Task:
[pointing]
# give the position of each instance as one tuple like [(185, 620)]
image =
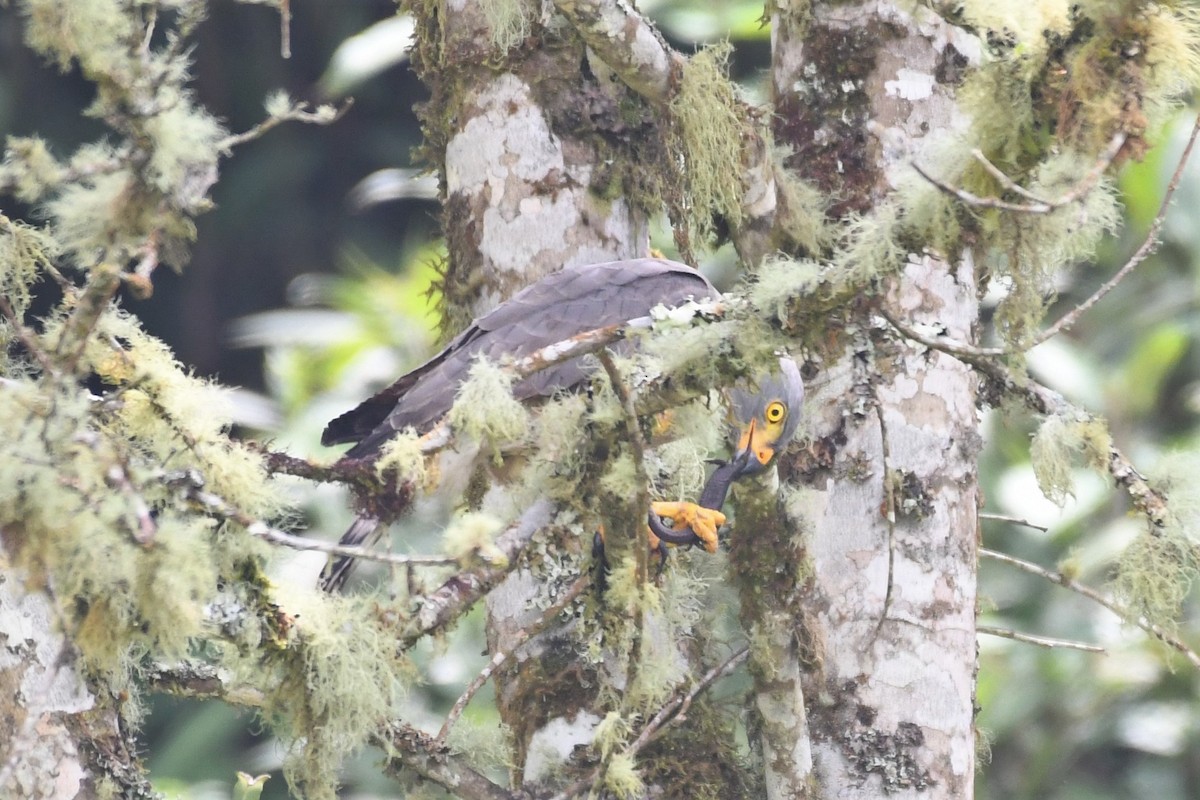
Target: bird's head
[(766, 417)]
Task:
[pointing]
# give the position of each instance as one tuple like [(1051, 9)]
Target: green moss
[(709, 129), (471, 536), (800, 216), (185, 140), (96, 32), (24, 252), (1172, 41), (622, 778), (30, 168), (509, 21), (621, 478), (485, 409), (1155, 573), (611, 734), (870, 245), (335, 689), (1058, 443), (559, 457), (779, 282), (678, 467), (1034, 248), (401, 456)]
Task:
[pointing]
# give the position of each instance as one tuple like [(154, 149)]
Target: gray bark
[(889, 607)]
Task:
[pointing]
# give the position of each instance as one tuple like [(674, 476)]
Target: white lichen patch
[(910, 84), (554, 742), (472, 536)]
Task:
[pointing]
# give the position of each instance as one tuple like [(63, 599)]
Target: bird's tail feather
[(363, 532)]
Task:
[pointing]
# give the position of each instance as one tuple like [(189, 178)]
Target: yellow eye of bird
[(775, 412)]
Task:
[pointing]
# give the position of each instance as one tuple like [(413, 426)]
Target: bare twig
[(117, 476), (1125, 614), (285, 28), (1013, 520), (299, 112), (889, 490), (673, 712), (1148, 246), (1040, 641), (641, 534), (500, 658), (676, 712), (260, 529), (1036, 204)]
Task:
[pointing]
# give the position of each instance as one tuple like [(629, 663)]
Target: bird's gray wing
[(559, 306)]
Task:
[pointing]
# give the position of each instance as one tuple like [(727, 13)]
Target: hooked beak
[(753, 452)]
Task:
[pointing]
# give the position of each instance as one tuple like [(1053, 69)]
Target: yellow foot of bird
[(702, 521)]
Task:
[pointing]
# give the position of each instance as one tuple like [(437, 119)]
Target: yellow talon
[(704, 522)]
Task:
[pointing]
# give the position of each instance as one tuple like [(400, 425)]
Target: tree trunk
[(523, 176), (888, 524), (60, 742)]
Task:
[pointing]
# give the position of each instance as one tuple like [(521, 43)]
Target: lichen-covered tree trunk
[(886, 617), (53, 722), (529, 189)]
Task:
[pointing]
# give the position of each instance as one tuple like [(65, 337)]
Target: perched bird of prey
[(559, 306)]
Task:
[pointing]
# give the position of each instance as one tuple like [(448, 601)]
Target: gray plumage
[(559, 306), (786, 386)]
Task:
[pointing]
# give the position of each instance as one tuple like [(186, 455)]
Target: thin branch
[(673, 712), (404, 744), (1085, 184), (1040, 641), (637, 443), (499, 659), (91, 303), (1014, 520), (285, 28), (889, 489), (26, 338), (944, 344), (628, 43), (1148, 246), (1036, 204), (117, 476), (418, 751), (641, 502), (1046, 401), (459, 593), (298, 112), (1125, 614), (260, 529)]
